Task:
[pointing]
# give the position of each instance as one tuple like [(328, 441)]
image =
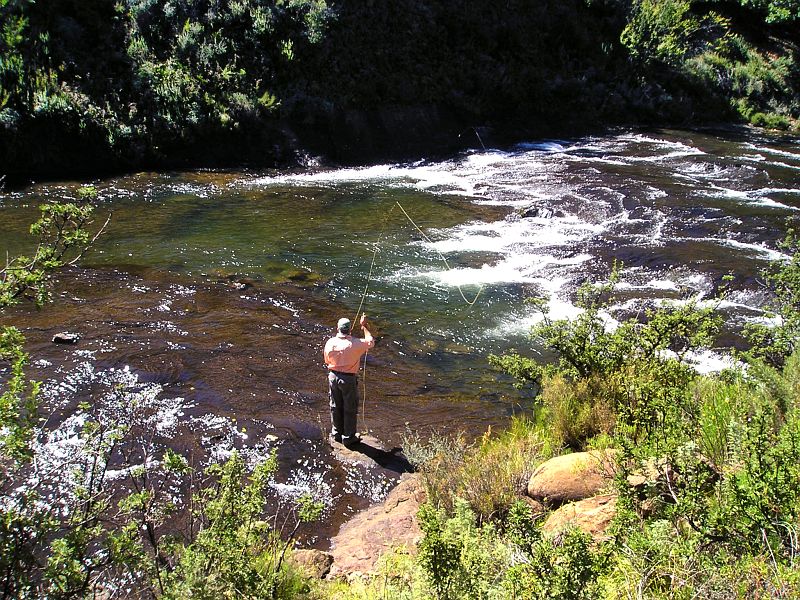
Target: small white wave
[(514, 269), (758, 197), (708, 361), (774, 151), (678, 149), (546, 146), (762, 160), (511, 235), (654, 284), (757, 248)]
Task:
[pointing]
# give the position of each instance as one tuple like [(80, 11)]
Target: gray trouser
[(343, 389)]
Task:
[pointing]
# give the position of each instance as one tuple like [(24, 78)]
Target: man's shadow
[(391, 460)]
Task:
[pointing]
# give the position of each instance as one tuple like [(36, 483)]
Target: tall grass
[(489, 474)]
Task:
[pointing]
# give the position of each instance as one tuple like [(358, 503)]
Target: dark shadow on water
[(392, 460)]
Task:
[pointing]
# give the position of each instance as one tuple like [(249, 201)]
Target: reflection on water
[(220, 288)]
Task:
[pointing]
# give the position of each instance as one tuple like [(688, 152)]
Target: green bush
[(577, 411), (775, 341), (633, 378), (236, 552), (462, 560), (563, 569), (459, 558)]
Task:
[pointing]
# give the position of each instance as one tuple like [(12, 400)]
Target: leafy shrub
[(235, 552), (459, 558), (633, 377), (668, 31), (775, 341), (770, 121), (566, 568)]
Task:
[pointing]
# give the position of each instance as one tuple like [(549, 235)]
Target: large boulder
[(379, 529), (592, 515), (572, 476)]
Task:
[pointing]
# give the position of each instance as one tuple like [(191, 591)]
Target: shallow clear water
[(221, 287)]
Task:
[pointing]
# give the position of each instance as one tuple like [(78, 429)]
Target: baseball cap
[(343, 325)]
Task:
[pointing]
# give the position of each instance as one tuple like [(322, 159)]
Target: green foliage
[(563, 569), (777, 11), (683, 46), (208, 65), (775, 341), (131, 79), (63, 237), (459, 559), (577, 410), (668, 31), (19, 401), (632, 377), (235, 552), (586, 346), (488, 475), (133, 82)]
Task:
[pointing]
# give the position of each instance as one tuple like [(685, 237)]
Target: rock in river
[(66, 338)]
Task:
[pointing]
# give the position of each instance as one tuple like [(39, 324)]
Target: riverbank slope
[(112, 87)]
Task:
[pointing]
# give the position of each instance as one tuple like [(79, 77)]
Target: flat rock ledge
[(372, 453), (370, 534), (356, 454), (573, 477), (592, 515)]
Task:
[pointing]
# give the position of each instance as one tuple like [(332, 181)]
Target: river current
[(205, 305)]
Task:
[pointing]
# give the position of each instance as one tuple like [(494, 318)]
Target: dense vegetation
[(110, 85)]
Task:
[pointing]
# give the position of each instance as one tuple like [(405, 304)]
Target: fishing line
[(358, 311), (469, 302), (472, 302)]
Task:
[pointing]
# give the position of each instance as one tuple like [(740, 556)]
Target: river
[(205, 305)]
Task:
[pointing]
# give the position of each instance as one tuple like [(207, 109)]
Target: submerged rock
[(541, 212), (66, 338), (379, 529), (301, 277), (572, 476)]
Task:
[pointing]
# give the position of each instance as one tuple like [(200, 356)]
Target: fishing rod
[(470, 303)]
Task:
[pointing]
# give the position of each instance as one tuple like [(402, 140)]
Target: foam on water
[(774, 151), (578, 195), (768, 253), (758, 197), (513, 235)]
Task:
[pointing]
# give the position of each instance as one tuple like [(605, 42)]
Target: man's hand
[(365, 326)]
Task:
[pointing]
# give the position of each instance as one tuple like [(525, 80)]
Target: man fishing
[(342, 355)]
